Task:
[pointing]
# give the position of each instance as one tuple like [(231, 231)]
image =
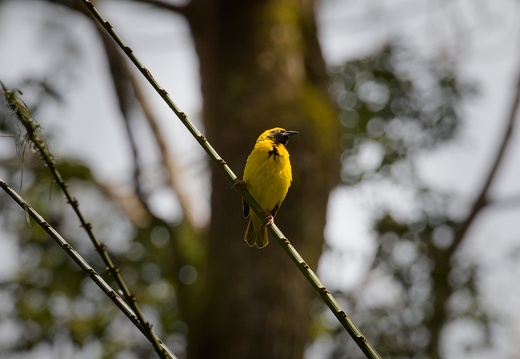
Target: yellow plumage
[(267, 176)]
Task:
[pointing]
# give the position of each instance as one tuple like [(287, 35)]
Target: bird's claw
[(269, 218)]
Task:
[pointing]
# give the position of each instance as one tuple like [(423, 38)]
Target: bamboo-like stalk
[(85, 266), (35, 137), (308, 273)]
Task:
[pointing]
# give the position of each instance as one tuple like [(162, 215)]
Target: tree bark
[(261, 67)]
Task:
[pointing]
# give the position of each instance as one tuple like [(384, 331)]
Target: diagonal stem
[(85, 266), (482, 199), (311, 277), (32, 128)]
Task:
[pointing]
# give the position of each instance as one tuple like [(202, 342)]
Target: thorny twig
[(34, 135)]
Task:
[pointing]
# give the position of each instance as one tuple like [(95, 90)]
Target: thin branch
[(34, 135), (119, 72), (168, 162), (482, 199), (128, 90), (127, 86), (125, 83), (308, 273), (85, 266)]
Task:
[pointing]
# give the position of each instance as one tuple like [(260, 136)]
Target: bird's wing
[(245, 208)]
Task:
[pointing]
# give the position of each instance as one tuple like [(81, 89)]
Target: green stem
[(83, 264), (313, 279), (34, 135)]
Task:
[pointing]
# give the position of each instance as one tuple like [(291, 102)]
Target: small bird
[(267, 176)]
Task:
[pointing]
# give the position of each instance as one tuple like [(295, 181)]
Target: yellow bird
[(267, 176)]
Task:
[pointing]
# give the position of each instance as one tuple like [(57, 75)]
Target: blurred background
[(405, 196)]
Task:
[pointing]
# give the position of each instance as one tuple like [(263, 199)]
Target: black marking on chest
[(273, 152)]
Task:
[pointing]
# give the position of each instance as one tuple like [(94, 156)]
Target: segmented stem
[(37, 140), (85, 266), (313, 279)]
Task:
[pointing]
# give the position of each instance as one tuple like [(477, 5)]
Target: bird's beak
[(290, 133)]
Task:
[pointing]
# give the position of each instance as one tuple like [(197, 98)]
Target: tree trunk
[(261, 67)]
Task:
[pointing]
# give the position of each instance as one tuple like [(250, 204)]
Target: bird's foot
[(269, 218)]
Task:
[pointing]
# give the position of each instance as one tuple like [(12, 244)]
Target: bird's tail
[(256, 234)]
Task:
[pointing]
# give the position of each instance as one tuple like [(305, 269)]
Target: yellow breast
[(268, 173)]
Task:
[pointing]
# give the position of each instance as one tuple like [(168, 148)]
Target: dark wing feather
[(245, 208)]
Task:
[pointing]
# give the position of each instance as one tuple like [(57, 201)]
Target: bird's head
[(278, 135)]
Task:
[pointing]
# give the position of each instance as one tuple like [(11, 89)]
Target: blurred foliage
[(51, 299), (395, 105)]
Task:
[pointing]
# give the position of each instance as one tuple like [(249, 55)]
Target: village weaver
[(267, 176)]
